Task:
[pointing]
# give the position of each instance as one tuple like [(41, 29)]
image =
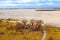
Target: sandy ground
[(49, 17)]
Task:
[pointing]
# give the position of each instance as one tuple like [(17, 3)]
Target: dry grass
[(23, 34), (7, 33), (53, 33)]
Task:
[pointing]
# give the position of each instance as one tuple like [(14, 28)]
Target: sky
[(29, 3)]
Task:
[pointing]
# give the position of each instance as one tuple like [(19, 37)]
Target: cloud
[(49, 3), (28, 3), (17, 3), (23, 1), (53, 0), (9, 4)]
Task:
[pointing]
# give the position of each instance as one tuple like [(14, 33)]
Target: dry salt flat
[(49, 17)]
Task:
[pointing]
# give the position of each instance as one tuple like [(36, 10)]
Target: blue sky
[(29, 3)]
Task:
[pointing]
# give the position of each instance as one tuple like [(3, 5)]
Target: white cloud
[(24, 4), (24, 1), (39, 3), (44, 3), (53, 0), (49, 3), (8, 4)]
